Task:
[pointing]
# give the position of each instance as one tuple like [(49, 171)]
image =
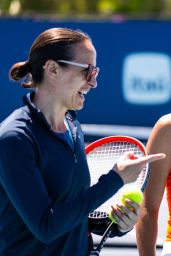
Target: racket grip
[(94, 253)]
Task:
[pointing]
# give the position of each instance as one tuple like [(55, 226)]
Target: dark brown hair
[(55, 44)]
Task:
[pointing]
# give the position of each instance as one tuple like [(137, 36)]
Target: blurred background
[(96, 9), (133, 42)]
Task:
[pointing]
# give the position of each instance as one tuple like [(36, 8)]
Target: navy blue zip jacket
[(45, 193)]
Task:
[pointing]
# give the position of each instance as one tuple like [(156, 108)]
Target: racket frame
[(98, 143)]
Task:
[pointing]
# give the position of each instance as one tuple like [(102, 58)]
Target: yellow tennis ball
[(132, 193)]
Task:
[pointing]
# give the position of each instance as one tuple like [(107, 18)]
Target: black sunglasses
[(92, 71)]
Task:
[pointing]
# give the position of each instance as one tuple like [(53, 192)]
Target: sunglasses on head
[(92, 71)]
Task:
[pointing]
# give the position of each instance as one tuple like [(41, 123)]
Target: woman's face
[(74, 85)]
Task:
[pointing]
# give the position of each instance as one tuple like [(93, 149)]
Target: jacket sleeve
[(26, 189)]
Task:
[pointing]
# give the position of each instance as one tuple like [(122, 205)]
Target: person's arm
[(26, 189), (147, 227)]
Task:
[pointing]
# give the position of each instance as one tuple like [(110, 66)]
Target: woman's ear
[(51, 68)]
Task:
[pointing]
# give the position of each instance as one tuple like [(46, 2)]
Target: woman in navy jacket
[(45, 193)]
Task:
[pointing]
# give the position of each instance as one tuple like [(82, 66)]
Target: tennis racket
[(101, 156)]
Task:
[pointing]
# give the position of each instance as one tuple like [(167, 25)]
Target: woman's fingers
[(129, 165), (148, 158), (126, 217)]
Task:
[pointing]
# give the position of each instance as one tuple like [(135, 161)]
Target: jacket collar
[(28, 100)]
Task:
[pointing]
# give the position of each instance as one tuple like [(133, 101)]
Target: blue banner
[(134, 84)]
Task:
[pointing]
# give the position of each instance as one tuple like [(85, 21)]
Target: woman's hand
[(129, 165), (126, 216)]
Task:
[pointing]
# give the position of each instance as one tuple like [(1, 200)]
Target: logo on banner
[(147, 78)]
